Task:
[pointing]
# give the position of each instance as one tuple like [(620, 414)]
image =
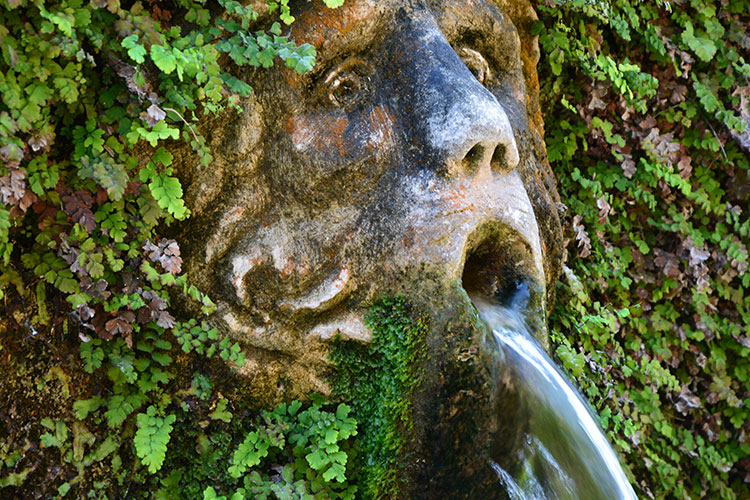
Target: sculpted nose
[(473, 132), (466, 128)]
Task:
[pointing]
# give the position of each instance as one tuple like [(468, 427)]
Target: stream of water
[(563, 454)]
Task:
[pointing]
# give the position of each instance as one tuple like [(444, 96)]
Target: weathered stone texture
[(414, 146)]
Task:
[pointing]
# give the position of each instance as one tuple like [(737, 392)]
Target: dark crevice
[(473, 158), (494, 270), (498, 157)]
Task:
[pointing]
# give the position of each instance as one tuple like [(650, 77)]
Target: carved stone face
[(408, 162)]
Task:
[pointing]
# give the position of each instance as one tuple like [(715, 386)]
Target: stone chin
[(409, 162)]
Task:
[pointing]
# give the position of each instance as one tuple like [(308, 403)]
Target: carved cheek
[(379, 124), (320, 137), (337, 137), (354, 148)]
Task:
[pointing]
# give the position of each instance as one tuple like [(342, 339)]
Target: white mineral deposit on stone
[(241, 265), (444, 214), (349, 326), (280, 239), (319, 297), (249, 331), (477, 110)]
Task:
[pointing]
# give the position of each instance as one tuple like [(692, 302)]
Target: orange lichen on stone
[(232, 216), (324, 28), (288, 268), (319, 133), (380, 127), (316, 29)]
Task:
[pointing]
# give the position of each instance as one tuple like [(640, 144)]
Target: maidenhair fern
[(646, 123), (152, 437)]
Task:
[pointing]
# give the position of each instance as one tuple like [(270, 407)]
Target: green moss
[(378, 379)]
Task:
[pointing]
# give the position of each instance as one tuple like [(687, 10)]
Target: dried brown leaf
[(685, 167), (117, 326), (151, 251), (158, 304), (165, 320), (154, 114), (97, 289), (678, 94), (127, 72), (145, 315), (597, 99), (12, 186), (42, 139), (648, 123), (78, 206), (743, 138), (628, 166), (171, 260), (582, 237), (167, 253), (668, 262), (686, 400), (11, 155), (604, 209)]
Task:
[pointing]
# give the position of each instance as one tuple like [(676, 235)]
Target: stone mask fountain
[(409, 162)]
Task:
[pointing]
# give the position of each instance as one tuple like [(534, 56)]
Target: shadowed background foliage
[(646, 108)]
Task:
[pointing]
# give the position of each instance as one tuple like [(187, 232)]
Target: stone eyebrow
[(496, 37), (336, 38)]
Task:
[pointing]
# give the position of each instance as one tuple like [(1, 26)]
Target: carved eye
[(347, 83), (476, 63)]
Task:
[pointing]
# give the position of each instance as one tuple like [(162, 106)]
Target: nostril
[(473, 158), (499, 160)]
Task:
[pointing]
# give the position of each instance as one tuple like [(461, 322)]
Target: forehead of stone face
[(361, 24)]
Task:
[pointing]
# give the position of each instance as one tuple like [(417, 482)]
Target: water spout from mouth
[(563, 454)]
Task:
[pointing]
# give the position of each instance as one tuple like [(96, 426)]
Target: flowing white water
[(564, 454)]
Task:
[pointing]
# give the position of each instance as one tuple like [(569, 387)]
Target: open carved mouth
[(499, 266)]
